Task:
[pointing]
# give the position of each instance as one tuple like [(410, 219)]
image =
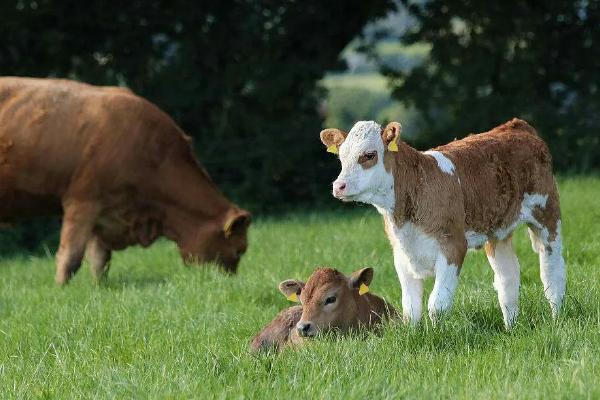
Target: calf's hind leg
[(78, 221), (98, 255), (548, 244), (507, 279)]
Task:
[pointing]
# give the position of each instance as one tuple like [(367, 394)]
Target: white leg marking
[(446, 280), (507, 278), (412, 292), (552, 269)]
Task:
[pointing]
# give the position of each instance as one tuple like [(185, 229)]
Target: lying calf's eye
[(370, 155), (330, 300)]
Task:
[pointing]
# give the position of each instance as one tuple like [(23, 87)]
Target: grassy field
[(160, 330)]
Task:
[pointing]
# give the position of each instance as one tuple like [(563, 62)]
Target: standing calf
[(465, 194), (330, 300)]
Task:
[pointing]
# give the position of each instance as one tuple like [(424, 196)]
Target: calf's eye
[(330, 300), (367, 156)]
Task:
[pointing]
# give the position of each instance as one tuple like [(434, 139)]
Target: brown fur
[(352, 312), (279, 332), (495, 170), (118, 168)]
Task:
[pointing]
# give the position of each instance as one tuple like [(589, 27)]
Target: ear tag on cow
[(332, 149), (363, 289), (393, 146), (293, 297)]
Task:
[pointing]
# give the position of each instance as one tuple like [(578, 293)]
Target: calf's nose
[(338, 188), (304, 328)]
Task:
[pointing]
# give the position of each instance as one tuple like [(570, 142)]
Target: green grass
[(158, 329)]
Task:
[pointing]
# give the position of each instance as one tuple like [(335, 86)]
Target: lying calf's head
[(329, 300), (363, 177)]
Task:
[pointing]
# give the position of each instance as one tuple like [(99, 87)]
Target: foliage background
[(254, 81)]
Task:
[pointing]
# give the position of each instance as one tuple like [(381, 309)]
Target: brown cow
[(119, 170), (466, 194), (330, 300)]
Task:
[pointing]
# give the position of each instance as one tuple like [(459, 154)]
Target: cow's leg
[(98, 255), (442, 295), (412, 292), (505, 264), (548, 244), (76, 231)]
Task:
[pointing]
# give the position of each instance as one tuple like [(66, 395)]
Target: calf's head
[(363, 177), (223, 241), (330, 299)]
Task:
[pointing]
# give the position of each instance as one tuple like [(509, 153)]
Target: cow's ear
[(361, 280), (291, 289), (237, 223), (391, 135), (332, 139)]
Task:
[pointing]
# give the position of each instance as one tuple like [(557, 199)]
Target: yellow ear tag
[(393, 146), (293, 297), (363, 289), (332, 149)]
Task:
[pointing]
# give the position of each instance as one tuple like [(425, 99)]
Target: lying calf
[(330, 300)]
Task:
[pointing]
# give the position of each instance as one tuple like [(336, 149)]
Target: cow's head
[(329, 299), (363, 177), (223, 241)]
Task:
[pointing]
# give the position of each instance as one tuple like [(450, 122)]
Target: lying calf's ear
[(390, 135), (333, 138), (361, 280), (291, 289)]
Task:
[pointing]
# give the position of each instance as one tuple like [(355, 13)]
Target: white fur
[(446, 280), (373, 185), (552, 267), (475, 240), (418, 256), (507, 279), (529, 203), (443, 162)]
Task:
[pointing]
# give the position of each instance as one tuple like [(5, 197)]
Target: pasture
[(157, 329)]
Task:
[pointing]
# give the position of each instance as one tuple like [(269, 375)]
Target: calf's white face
[(363, 177)]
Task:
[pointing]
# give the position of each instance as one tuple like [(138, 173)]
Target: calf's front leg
[(442, 295), (412, 292)]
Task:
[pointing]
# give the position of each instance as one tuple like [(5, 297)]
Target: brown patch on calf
[(369, 160), (493, 171)]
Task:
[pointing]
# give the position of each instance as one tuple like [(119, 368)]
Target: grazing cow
[(119, 170), (330, 300), (466, 194)]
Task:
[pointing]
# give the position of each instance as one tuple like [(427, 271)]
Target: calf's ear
[(361, 280), (390, 135), (333, 138), (291, 289)]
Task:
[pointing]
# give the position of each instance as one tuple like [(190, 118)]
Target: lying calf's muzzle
[(305, 328)]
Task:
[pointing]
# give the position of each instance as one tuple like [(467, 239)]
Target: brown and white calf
[(330, 300), (466, 194)]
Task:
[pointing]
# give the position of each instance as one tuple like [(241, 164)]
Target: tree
[(491, 61), (240, 76)]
